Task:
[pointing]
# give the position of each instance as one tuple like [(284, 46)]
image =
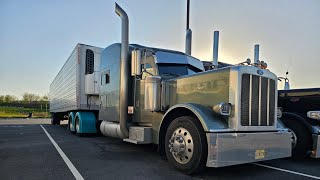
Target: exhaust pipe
[(120, 130), (256, 54), (215, 48), (188, 32), (188, 41)]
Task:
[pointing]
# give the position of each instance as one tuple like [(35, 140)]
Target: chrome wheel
[(70, 125), (294, 138), (181, 145), (77, 125)]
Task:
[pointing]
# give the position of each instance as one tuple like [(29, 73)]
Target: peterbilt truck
[(221, 117), (301, 115)]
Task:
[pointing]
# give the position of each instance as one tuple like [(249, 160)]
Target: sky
[(37, 36)]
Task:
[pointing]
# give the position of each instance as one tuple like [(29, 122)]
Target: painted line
[(287, 171), (73, 169)]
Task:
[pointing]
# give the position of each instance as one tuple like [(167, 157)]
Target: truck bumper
[(225, 149), (316, 146)]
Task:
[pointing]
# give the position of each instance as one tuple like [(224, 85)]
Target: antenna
[(188, 13)]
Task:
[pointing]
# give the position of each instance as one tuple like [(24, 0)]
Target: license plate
[(260, 154)]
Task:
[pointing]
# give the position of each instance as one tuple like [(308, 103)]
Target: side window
[(89, 61), (105, 77)]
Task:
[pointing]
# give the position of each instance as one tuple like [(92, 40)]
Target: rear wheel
[(77, 126), (301, 137), (71, 122), (186, 145)]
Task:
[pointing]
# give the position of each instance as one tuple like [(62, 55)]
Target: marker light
[(222, 109), (314, 114)]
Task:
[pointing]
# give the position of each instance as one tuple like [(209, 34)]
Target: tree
[(9, 99), (1, 98), (44, 98), (29, 97)]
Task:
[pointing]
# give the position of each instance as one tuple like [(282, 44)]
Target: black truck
[(301, 115)]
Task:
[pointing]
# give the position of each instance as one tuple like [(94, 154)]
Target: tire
[(55, 120), (186, 145), (302, 135), (70, 124), (77, 126)]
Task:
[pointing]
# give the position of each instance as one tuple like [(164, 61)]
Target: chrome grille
[(257, 101)]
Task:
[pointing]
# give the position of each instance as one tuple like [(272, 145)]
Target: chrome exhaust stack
[(256, 54), (188, 32), (120, 130), (215, 49)]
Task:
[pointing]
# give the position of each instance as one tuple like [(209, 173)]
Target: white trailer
[(77, 85)]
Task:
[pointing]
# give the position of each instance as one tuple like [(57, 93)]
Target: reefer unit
[(77, 85)]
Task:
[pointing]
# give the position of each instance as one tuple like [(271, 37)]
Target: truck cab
[(301, 114), (222, 117)]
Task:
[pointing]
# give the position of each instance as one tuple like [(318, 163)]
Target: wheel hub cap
[(294, 138), (181, 145)]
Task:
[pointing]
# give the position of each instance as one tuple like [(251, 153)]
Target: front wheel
[(186, 145), (301, 137)]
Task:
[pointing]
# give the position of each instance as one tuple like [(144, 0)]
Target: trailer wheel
[(186, 145), (301, 138), (71, 123), (77, 126)]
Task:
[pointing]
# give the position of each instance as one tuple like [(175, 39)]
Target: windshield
[(177, 69)]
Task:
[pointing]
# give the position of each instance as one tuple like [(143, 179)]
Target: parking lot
[(34, 149)]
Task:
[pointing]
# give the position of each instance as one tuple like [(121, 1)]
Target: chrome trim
[(259, 115), (268, 103), (188, 42), (316, 146), (250, 100), (234, 120), (225, 149), (124, 72)]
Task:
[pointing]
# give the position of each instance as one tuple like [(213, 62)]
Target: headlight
[(314, 114), (222, 109)]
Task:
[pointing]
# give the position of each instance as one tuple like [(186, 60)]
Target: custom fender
[(209, 120), (300, 119)]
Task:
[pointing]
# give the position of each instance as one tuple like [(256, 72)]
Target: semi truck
[(145, 95), (301, 115)]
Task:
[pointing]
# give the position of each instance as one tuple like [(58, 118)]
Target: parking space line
[(73, 169), (287, 171)]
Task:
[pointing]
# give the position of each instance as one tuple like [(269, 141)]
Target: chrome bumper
[(225, 149), (316, 146)]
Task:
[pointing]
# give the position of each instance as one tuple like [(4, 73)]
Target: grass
[(12, 112)]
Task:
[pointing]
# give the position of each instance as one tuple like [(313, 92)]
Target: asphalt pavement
[(26, 152)]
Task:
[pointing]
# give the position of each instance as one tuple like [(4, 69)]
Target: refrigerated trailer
[(77, 85), (221, 117)]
